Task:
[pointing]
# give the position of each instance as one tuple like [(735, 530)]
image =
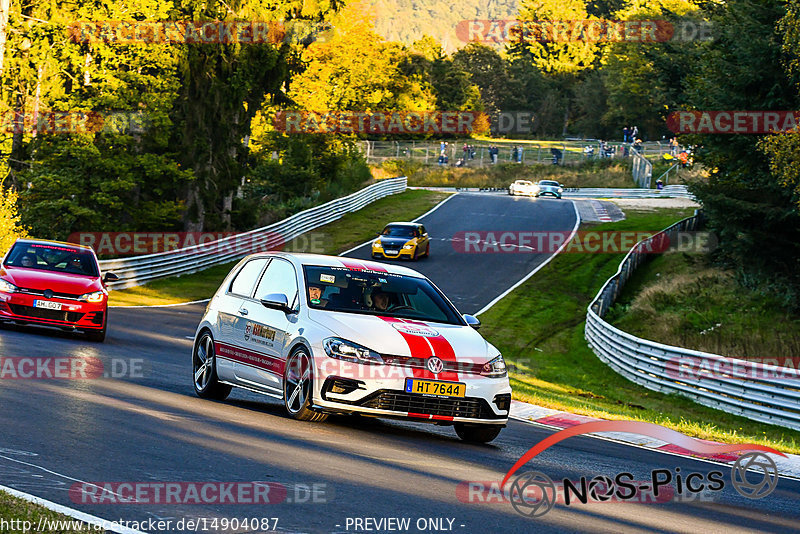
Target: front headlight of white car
[(495, 368), (408, 246), (349, 351), (7, 287), (96, 296), (560, 189)]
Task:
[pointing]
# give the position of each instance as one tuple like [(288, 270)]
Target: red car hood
[(59, 282)]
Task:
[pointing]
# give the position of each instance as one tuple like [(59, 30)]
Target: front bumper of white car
[(380, 390)]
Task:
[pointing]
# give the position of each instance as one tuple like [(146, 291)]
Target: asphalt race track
[(471, 280), (149, 427)]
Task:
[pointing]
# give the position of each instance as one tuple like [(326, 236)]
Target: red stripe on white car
[(427, 346), (248, 357), (431, 416), (418, 346)]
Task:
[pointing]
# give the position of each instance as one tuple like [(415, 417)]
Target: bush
[(10, 226)]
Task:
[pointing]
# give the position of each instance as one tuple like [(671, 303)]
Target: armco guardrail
[(136, 271), (642, 169), (750, 389), (586, 192)]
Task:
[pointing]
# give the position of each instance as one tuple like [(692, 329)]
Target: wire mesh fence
[(471, 153)]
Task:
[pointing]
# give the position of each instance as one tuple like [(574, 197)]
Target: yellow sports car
[(402, 240)]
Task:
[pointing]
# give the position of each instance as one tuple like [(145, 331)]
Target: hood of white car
[(406, 338)]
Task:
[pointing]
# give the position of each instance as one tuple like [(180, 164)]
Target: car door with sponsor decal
[(265, 332), (232, 312)]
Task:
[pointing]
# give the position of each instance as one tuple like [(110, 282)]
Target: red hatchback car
[(54, 284)]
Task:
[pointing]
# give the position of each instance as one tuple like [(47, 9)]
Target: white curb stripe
[(107, 525), (788, 467)]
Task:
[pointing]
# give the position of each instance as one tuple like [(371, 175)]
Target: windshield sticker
[(329, 278)]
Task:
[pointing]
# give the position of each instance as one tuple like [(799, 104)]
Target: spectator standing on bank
[(625, 132), (634, 133)]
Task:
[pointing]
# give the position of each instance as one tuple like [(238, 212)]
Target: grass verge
[(334, 238), (682, 299), (596, 173), (539, 328), (23, 516)]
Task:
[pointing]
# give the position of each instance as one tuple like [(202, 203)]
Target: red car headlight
[(7, 287), (96, 296)]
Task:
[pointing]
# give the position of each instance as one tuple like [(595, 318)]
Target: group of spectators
[(630, 134)]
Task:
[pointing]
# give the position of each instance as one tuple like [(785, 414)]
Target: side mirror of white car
[(276, 301), (472, 321)]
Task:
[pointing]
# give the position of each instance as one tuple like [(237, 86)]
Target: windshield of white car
[(53, 258), (357, 291), (398, 231)]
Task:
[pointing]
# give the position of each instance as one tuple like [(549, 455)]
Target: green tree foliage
[(644, 81), (556, 55), (356, 70), (747, 205), (10, 224), (783, 149)]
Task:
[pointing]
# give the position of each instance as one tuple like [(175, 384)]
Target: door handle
[(243, 311)]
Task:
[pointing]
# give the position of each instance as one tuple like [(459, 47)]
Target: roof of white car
[(350, 263), (400, 223)]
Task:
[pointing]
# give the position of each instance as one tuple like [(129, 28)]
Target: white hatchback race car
[(522, 187), (337, 335)]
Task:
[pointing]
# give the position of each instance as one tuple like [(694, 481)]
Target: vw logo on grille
[(435, 365), (48, 293)]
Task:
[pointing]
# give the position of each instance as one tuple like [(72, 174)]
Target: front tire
[(298, 384), (477, 433), (204, 370)]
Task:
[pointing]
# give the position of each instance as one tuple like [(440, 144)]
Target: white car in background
[(522, 187), (337, 335)]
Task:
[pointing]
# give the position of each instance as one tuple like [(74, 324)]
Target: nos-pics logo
[(754, 475)]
